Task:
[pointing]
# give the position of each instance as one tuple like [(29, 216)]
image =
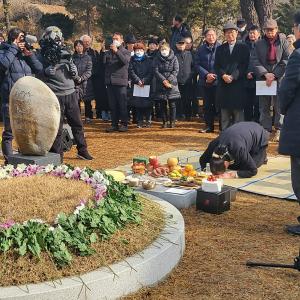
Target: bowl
[(148, 185)]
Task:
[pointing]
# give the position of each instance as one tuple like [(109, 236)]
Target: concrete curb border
[(143, 269)]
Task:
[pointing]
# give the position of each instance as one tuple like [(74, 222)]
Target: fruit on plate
[(175, 168), (117, 175), (189, 171), (138, 168), (161, 171), (175, 175), (172, 161)]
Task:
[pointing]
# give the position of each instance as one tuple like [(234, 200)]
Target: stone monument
[(35, 118)]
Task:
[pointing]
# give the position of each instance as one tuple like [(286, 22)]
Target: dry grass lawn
[(217, 247)]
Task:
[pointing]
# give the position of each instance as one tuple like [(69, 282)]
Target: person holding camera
[(116, 62), (16, 61), (60, 75)]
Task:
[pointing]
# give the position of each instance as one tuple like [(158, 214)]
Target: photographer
[(59, 74), (16, 61)]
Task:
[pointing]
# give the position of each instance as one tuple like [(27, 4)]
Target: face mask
[(165, 53), (117, 43), (139, 53), (132, 53)]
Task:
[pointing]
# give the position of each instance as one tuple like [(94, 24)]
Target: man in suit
[(269, 62), (116, 62), (289, 99), (231, 64)]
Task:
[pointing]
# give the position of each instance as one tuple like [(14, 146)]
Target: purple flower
[(7, 224), (100, 192)]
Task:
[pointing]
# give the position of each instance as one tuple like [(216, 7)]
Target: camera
[(29, 41), (53, 51)]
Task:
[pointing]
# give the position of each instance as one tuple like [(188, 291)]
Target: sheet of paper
[(141, 91), (263, 90), (177, 191)]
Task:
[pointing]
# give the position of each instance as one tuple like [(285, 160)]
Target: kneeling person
[(241, 147)]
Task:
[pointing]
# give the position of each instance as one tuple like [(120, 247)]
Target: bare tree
[(6, 14)]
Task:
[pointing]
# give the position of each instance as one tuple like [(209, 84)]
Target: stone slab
[(147, 268), (179, 201), (49, 158)]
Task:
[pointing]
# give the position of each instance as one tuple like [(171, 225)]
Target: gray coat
[(166, 68), (260, 63), (289, 98)]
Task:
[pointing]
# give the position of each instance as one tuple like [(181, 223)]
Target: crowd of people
[(134, 81), (175, 74)]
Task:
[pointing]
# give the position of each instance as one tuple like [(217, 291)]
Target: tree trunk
[(264, 9), (248, 12), (88, 18), (6, 14)]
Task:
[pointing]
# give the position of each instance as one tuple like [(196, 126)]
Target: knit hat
[(139, 45), (52, 33)]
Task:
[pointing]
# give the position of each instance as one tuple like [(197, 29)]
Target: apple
[(153, 160), (172, 162)]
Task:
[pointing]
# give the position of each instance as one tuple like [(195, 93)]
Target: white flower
[(49, 168), (51, 228), (84, 175), (21, 167), (9, 168), (59, 169), (98, 176), (64, 168), (37, 221), (69, 174), (3, 174)]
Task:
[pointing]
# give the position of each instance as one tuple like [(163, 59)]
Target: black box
[(215, 203)]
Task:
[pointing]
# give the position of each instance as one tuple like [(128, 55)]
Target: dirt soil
[(217, 247)]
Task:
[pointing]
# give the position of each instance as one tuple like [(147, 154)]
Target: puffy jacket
[(14, 65), (166, 68), (84, 66)]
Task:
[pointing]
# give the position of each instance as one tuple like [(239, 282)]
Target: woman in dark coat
[(140, 73), (84, 66), (166, 68)]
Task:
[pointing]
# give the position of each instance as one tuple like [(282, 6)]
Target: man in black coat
[(242, 147), (184, 78), (116, 62), (231, 64), (289, 99)]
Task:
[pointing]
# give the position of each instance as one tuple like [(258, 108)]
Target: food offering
[(155, 169), (212, 184), (139, 165)]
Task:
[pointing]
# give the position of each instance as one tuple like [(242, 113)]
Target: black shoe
[(293, 229), (139, 125), (123, 128), (164, 125), (148, 125), (172, 125), (206, 130), (111, 129), (84, 155)]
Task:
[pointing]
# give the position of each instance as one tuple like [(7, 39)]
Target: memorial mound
[(63, 221)]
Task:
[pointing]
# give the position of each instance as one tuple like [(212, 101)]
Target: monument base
[(50, 158)]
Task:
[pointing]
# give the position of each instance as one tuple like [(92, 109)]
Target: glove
[(50, 71), (73, 70)]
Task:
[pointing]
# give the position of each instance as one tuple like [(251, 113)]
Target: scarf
[(271, 55), (141, 58)]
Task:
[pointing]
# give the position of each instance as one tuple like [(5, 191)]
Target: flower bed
[(112, 206)]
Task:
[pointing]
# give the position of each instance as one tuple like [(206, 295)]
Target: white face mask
[(139, 53), (117, 43), (165, 53)]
